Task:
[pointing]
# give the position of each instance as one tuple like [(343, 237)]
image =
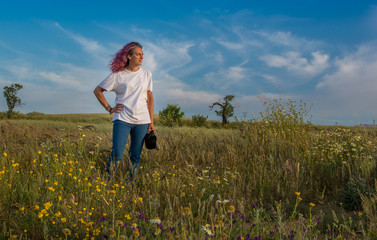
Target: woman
[(133, 112)]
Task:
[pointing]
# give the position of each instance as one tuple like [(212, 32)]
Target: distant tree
[(171, 115), (10, 94), (226, 108)]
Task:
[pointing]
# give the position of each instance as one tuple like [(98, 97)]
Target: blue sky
[(321, 52)]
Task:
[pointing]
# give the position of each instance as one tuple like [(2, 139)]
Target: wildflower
[(207, 230), (231, 209), (219, 224), (39, 152), (157, 232), (136, 232), (103, 218), (40, 215), (155, 220), (22, 209), (360, 214), (63, 220), (222, 202), (168, 235), (47, 205), (166, 223), (140, 199), (297, 193), (112, 233), (128, 217), (186, 211), (5, 154), (67, 232), (312, 204), (119, 223)]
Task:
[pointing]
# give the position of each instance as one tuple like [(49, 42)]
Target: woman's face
[(136, 59)]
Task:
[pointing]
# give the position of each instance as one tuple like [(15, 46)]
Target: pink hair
[(120, 61)]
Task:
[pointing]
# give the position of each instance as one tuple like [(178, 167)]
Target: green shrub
[(171, 115), (199, 120), (352, 192)]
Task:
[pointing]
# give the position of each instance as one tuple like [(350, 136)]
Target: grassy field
[(275, 178)]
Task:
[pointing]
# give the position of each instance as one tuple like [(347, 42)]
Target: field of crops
[(276, 178)]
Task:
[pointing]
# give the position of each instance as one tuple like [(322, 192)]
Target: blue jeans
[(121, 130)]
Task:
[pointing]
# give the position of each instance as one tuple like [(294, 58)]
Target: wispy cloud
[(295, 63), (90, 46)]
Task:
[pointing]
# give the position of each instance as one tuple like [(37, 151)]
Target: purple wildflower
[(103, 218)]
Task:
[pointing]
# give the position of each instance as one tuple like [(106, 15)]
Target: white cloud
[(166, 55), (90, 46), (351, 89), (189, 98), (75, 78), (229, 76), (295, 63), (230, 45)]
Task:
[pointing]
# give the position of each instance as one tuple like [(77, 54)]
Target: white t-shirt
[(131, 91)]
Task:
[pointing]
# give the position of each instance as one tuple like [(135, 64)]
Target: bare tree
[(226, 108)]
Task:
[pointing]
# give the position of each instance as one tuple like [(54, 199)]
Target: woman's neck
[(132, 68)]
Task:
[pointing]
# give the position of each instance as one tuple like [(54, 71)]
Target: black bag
[(151, 140)]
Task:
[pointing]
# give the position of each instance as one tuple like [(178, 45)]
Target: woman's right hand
[(117, 109)]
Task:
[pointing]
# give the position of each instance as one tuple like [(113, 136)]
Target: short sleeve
[(109, 83), (150, 82)]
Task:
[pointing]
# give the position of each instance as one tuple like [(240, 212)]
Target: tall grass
[(276, 177)]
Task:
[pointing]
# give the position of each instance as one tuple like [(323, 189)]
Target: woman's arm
[(150, 104), (98, 91)]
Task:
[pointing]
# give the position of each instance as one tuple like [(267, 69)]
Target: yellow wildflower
[(155, 220), (157, 232), (67, 232), (48, 205), (231, 209)]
